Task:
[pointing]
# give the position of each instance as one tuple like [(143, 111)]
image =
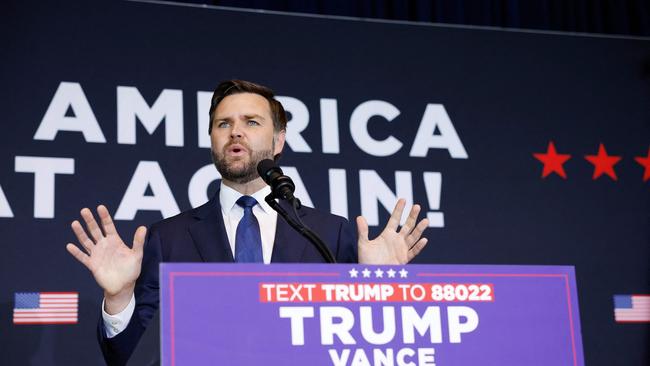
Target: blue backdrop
[(106, 102)]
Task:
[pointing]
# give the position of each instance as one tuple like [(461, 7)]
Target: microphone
[(281, 185)]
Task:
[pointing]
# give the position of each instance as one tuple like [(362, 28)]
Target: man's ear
[(279, 138)]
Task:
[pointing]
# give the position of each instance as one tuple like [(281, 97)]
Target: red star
[(552, 161), (603, 163), (645, 162)]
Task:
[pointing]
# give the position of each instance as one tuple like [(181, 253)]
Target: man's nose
[(236, 130)]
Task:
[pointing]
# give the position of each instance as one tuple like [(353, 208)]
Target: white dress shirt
[(232, 214)]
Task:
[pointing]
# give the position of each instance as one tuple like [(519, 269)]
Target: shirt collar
[(228, 198)]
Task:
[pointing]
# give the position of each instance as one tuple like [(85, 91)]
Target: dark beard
[(247, 173)]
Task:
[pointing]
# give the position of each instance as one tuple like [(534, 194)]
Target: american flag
[(632, 308), (46, 307)]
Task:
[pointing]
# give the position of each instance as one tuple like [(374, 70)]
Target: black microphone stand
[(301, 228)]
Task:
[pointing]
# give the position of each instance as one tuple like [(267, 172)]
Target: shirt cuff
[(115, 324)]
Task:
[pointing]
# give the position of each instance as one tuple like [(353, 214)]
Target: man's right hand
[(114, 265)]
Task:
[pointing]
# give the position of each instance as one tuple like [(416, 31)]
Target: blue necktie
[(248, 241)]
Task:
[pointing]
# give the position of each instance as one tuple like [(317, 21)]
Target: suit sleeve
[(118, 349), (347, 243)]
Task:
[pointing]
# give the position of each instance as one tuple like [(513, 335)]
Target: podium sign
[(319, 314)]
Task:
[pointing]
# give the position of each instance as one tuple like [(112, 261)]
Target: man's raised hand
[(114, 265), (393, 245)]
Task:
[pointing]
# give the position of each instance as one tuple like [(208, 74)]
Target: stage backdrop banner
[(369, 315), (521, 147)]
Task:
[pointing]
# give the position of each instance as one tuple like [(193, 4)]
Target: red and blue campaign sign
[(298, 314)]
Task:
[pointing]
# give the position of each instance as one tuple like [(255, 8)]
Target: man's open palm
[(114, 265), (393, 245)]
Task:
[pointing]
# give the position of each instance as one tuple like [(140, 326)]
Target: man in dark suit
[(247, 125)]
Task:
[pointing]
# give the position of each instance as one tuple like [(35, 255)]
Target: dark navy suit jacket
[(199, 235)]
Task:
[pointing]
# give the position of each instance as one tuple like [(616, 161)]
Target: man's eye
[(253, 122), (222, 124)]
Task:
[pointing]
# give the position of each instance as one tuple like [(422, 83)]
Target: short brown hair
[(230, 87)]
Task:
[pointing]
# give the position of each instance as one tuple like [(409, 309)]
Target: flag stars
[(403, 273), (353, 273), (366, 273), (391, 273), (379, 273)]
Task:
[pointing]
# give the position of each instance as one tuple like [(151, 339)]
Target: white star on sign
[(366, 272), (403, 273), (391, 273), (353, 272), (379, 273)]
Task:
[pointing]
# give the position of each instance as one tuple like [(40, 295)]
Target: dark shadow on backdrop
[(623, 17)]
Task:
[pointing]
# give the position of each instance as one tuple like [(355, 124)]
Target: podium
[(323, 314)]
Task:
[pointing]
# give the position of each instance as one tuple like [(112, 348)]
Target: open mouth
[(236, 150)]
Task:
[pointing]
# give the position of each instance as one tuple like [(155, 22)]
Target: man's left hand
[(393, 245)]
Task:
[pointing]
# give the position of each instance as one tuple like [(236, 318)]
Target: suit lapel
[(289, 245), (209, 233), (210, 238)]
